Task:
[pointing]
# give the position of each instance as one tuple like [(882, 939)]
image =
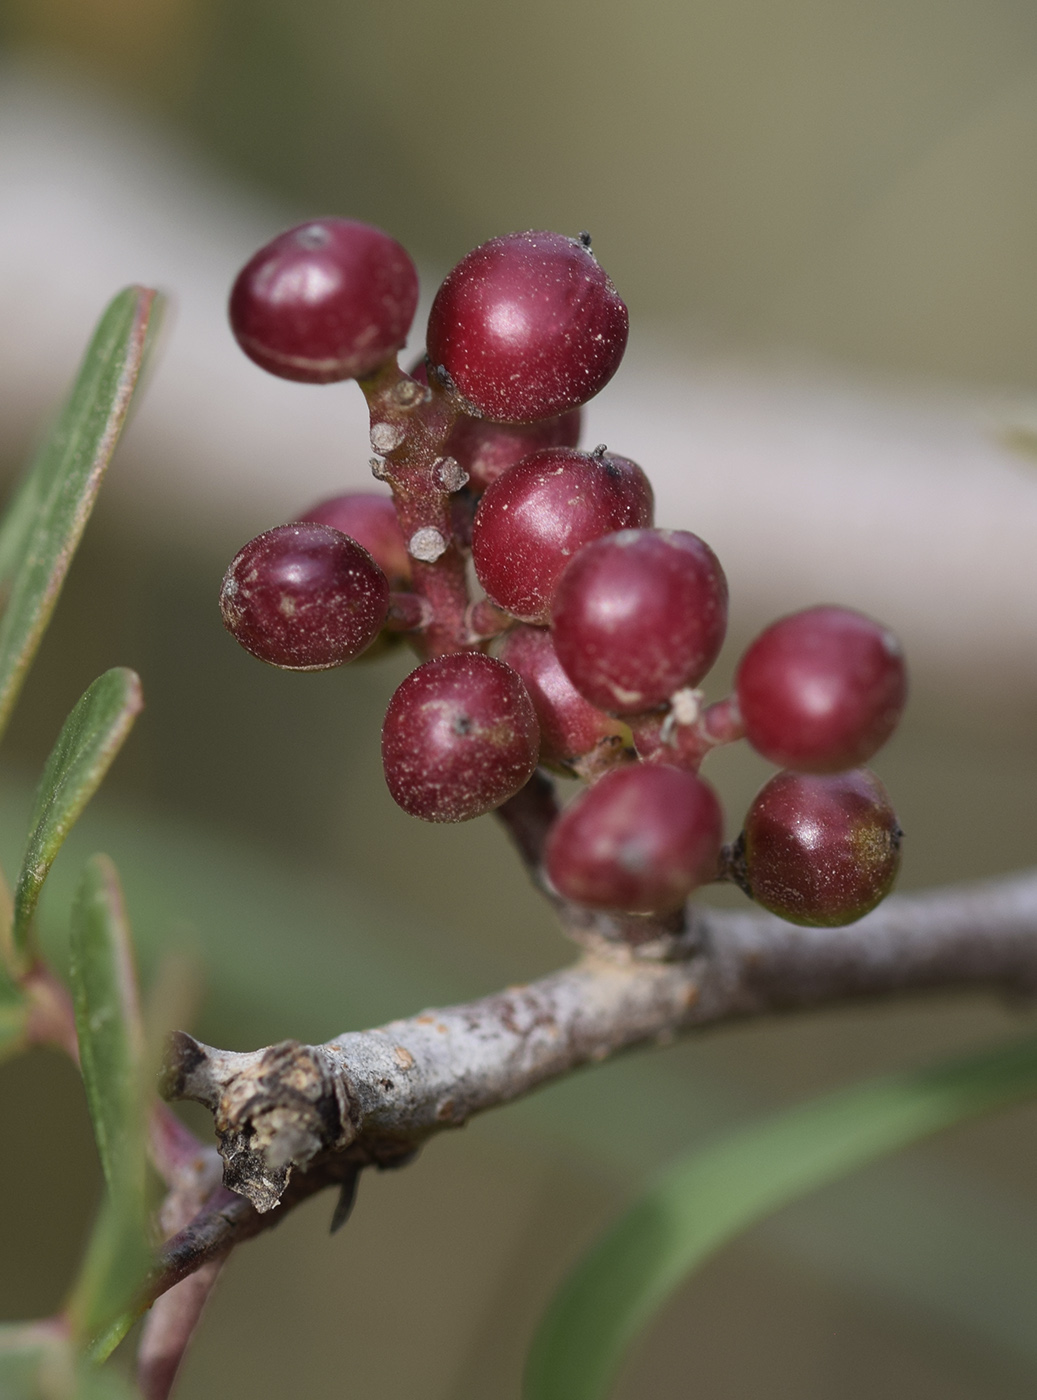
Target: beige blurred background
[(824, 219)]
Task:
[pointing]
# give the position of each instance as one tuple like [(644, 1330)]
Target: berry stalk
[(410, 425), (684, 734)]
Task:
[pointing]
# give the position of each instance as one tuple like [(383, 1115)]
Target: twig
[(191, 1172), (293, 1119)]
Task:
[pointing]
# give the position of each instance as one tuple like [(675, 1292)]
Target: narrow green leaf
[(45, 521), (100, 1309), (104, 990), (37, 1362), (92, 1384), (14, 1004), (111, 1042), (14, 1020), (713, 1194), (91, 737)]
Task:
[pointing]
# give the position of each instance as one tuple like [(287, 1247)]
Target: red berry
[(486, 450), (460, 737), (820, 849), (331, 299), (570, 727), (821, 690), (639, 615), (641, 839), (304, 597), (371, 520), (527, 326), (535, 517)]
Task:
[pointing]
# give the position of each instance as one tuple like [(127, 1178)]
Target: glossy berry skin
[(641, 839), (330, 299), (639, 615), (822, 690), (541, 512), (486, 450), (821, 849), (371, 520), (570, 726), (304, 597), (527, 326), (460, 737)]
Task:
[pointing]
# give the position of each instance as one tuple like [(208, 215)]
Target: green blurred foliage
[(848, 179)]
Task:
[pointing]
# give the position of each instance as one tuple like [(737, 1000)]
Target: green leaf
[(112, 1054), (14, 1021), (45, 521), (91, 737), (100, 1309), (37, 1362), (713, 1194), (104, 990)]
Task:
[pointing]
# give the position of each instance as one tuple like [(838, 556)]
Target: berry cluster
[(603, 625)]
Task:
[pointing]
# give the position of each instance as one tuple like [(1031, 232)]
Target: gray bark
[(372, 1097)]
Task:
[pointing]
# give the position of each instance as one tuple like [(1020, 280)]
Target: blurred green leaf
[(713, 1194), (104, 990), (43, 525), (14, 1016), (14, 1006), (38, 1363), (35, 1362), (100, 1309), (111, 1048), (91, 737)]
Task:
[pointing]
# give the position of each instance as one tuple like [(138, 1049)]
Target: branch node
[(275, 1109)]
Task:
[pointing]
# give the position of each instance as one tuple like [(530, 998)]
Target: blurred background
[(824, 220)]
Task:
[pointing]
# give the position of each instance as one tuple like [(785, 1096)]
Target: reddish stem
[(409, 427), (408, 613), (485, 620), (52, 1020), (664, 736)]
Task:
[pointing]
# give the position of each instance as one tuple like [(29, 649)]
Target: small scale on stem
[(420, 424)]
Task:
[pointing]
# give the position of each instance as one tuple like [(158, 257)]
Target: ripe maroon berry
[(371, 520), (641, 839), (534, 518), (639, 615), (304, 597), (460, 737), (570, 727), (486, 450), (331, 299), (821, 690), (527, 326), (820, 849)]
